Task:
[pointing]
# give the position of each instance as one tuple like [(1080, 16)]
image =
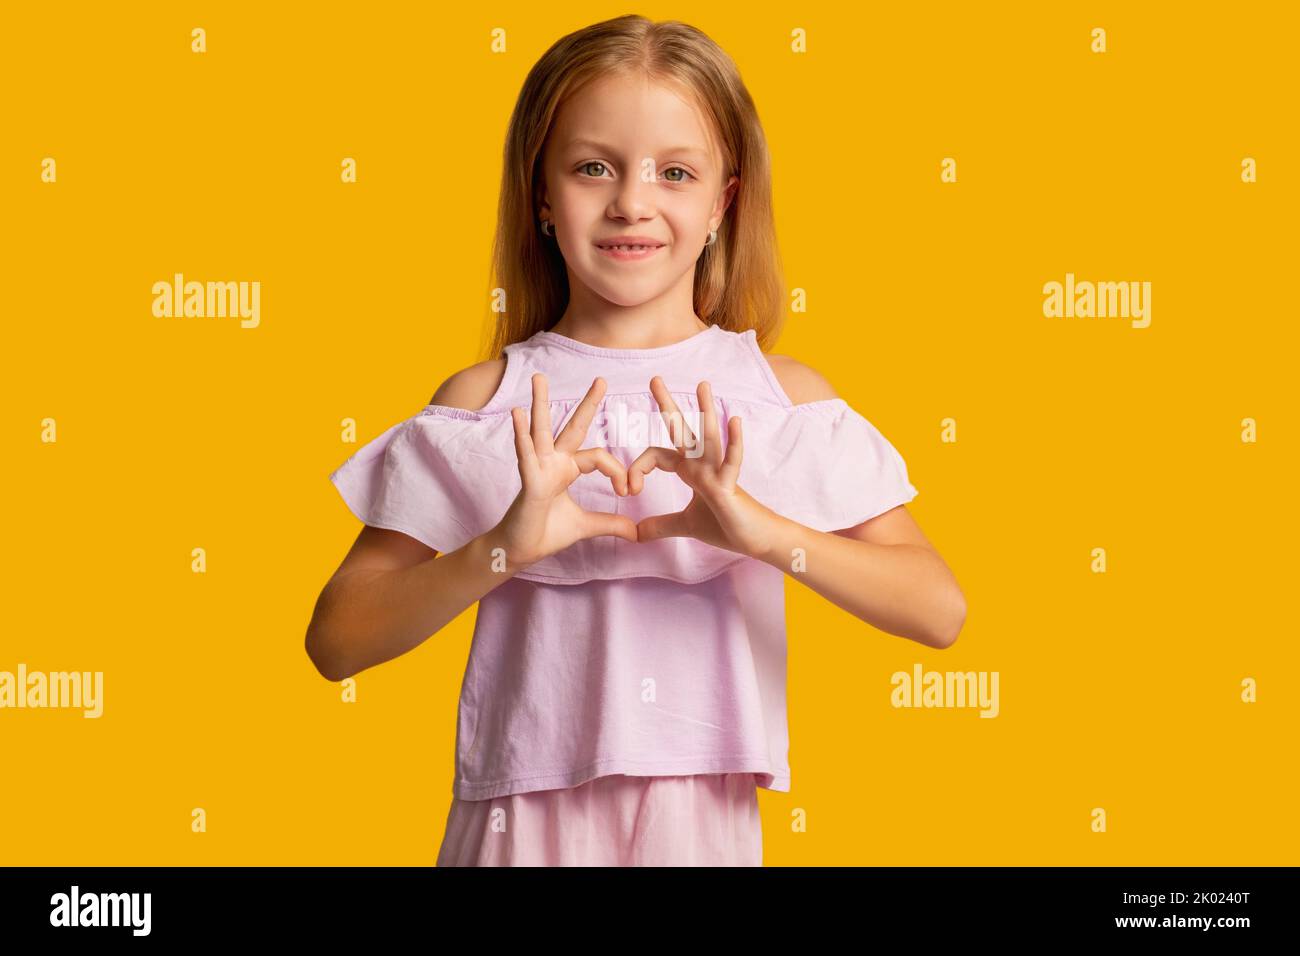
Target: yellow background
[(1118, 690)]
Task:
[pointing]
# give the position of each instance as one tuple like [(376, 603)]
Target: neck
[(668, 319)]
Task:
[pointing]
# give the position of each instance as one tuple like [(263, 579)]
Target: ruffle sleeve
[(446, 475), (821, 464), (443, 476)]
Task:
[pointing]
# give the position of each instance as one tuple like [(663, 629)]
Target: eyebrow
[(606, 148)]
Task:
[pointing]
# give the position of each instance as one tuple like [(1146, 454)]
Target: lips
[(628, 241)]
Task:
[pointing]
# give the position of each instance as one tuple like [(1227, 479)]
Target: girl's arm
[(392, 592), (883, 571)]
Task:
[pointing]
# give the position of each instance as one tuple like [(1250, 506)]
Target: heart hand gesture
[(543, 519), (720, 512)]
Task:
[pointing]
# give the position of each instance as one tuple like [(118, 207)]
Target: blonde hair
[(738, 280)]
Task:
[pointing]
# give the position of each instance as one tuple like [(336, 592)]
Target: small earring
[(548, 228), (713, 237)]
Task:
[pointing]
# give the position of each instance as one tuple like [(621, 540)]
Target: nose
[(634, 199)]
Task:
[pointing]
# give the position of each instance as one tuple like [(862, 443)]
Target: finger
[(656, 456), (542, 440), (599, 459), (730, 470), (709, 424), (575, 429), (597, 523), (662, 526), (679, 433), (523, 443)]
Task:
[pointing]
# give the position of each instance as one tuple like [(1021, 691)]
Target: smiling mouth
[(629, 248)]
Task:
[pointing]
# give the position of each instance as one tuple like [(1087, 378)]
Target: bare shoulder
[(471, 388), (802, 383)]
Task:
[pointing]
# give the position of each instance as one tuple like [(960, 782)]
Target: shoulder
[(802, 383), (471, 388)]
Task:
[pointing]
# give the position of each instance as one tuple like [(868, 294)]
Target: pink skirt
[(615, 820)]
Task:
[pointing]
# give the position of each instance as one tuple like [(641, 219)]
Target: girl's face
[(627, 157)]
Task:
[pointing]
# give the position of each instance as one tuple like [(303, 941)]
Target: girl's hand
[(720, 513), (543, 518)]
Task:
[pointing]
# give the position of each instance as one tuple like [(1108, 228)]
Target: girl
[(627, 534)]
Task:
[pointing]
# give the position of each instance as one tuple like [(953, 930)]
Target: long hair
[(738, 278)]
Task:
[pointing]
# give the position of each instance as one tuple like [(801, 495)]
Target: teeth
[(629, 248)]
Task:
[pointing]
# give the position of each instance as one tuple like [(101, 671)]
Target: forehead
[(632, 114)]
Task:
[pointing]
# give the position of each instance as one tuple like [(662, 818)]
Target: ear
[(541, 200), (725, 198)]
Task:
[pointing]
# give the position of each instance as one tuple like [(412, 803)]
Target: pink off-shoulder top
[(666, 657)]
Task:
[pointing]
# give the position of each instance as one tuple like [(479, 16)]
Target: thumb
[(598, 523), (662, 526)]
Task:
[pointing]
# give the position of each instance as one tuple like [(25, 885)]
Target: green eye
[(602, 167)]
